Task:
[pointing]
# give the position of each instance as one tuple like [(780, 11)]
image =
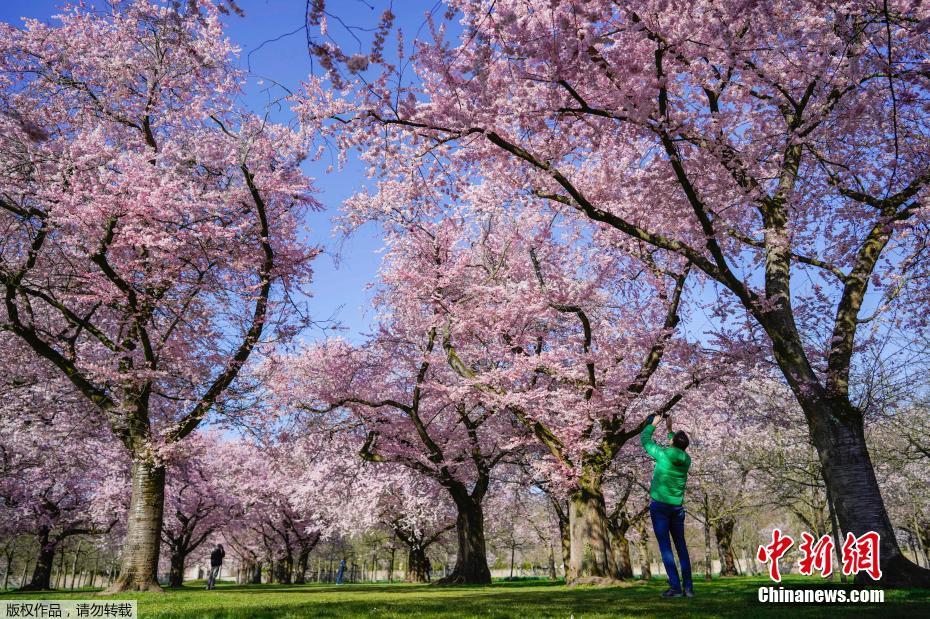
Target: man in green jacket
[(666, 509)]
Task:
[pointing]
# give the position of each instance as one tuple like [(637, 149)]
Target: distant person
[(428, 568), (341, 573), (666, 509), (216, 564)]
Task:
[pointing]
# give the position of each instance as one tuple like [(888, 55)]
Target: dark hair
[(680, 440)]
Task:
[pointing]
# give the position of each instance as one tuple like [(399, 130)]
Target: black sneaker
[(671, 593), (689, 593)]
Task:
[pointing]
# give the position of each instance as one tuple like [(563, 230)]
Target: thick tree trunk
[(836, 429), (837, 433), (591, 559), (284, 568), (139, 562), (471, 562), (256, 575), (42, 572), (303, 561), (723, 531), (176, 571), (416, 564), (621, 548)]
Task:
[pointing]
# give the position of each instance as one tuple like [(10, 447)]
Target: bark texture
[(143, 529), (416, 565), (471, 562), (176, 570), (42, 572), (838, 434), (723, 532), (591, 558)]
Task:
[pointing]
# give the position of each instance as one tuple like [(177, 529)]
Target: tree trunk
[(565, 540), (390, 572), (284, 568), (645, 557), (708, 565), (139, 562), (837, 542), (303, 561), (471, 561), (750, 561), (591, 559), (621, 547), (60, 576), (6, 572), (723, 531), (416, 564), (256, 576), (176, 571), (837, 433), (22, 579), (513, 550), (74, 572), (42, 572), (922, 533)]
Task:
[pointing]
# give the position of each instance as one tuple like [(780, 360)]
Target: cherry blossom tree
[(60, 475), (199, 501), (569, 347), (519, 517), (722, 480), (352, 496), (556, 333), (273, 525), (399, 397), (147, 221), (627, 485), (781, 148), (385, 390)]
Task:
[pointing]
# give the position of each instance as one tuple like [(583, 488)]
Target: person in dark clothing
[(216, 564), (428, 568), (342, 572), (666, 509)]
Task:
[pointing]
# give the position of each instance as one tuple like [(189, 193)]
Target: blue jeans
[(670, 519), (214, 572)]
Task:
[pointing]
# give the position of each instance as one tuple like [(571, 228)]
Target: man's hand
[(650, 420)]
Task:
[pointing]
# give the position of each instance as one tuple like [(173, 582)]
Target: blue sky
[(338, 289)]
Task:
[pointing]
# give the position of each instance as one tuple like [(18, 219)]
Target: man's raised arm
[(646, 441)]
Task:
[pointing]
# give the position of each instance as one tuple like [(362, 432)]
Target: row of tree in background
[(289, 508), (630, 221)]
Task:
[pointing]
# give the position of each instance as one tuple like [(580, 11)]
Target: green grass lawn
[(525, 599)]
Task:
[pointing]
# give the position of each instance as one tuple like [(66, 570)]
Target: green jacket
[(671, 472)]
